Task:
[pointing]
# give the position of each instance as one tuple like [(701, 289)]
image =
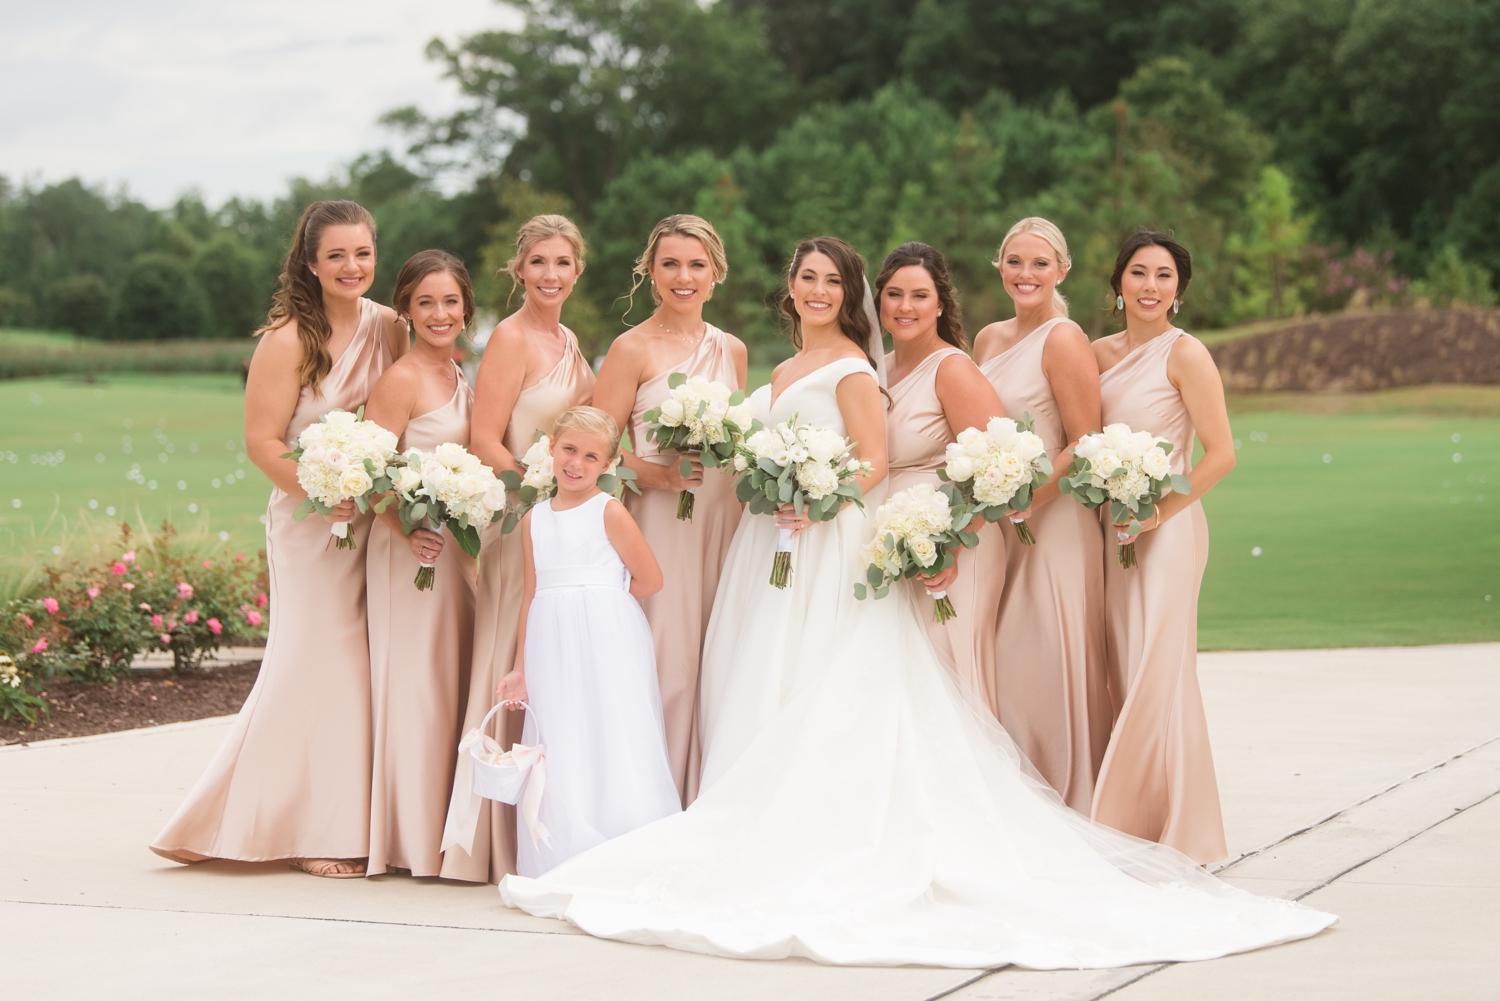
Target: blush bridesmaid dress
[(1157, 781), (292, 778), (917, 436), (691, 554), (420, 645), (1053, 699), (497, 620)]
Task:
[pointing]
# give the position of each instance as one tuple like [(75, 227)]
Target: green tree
[(1453, 281), (1266, 255), (80, 303), (237, 283), (160, 300)]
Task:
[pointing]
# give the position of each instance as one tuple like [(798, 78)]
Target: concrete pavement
[(1357, 780)]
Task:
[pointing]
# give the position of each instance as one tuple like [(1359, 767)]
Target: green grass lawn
[(1389, 542)]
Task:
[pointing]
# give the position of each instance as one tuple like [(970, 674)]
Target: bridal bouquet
[(447, 486), (1128, 469), (916, 531), (539, 481), (342, 457), (809, 467), (997, 470), (700, 417)]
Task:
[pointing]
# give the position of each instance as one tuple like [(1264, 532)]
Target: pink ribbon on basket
[(463, 812), (534, 758)]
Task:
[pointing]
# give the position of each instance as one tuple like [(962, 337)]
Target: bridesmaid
[(684, 259), (531, 371), (1053, 699), (936, 391), (420, 641), (292, 778), (1157, 781)]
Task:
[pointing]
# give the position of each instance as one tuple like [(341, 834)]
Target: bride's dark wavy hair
[(853, 321)]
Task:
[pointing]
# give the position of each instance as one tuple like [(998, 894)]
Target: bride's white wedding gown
[(858, 809)]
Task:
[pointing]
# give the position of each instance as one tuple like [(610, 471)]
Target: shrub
[(160, 300), (79, 303)]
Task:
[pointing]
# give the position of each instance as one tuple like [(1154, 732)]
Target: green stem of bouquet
[(345, 541), (942, 610), (1126, 555), (425, 578), (781, 570), (685, 505), (1023, 532)]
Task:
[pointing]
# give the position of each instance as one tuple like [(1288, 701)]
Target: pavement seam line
[(1358, 803), (967, 983), (1457, 812), (286, 917), (1133, 980)]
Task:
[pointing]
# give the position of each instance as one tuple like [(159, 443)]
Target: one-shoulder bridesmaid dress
[(292, 778), (1052, 696), (691, 554), (917, 436), (1157, 781), (420, 644), (497, 618)]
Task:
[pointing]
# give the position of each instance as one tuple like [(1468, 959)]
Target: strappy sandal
[(327, 867)]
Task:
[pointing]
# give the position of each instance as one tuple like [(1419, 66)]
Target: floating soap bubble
[(93, 505), (192, 509), (223, 536), (182, 484), (110, 511), (1327, 457), (1458, 457), (1256, 551)]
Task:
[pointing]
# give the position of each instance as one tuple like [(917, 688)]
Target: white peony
[(672, 412), (407, 479), (355, 482), (1089, 446), (1155, 464), (824, 445), (924, 550), (1028, 447), (1105, 463)]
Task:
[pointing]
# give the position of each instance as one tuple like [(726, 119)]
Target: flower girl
[(585, 663)]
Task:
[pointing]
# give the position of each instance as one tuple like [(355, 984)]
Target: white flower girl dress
[(859, 809), (591, 684)]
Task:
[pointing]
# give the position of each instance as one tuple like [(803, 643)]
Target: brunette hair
[(696, 227), (534, 231), (1048, 231), (300, 295), (590, 420), (950, 322), (431, 262), (853, 321), (1150, 238)]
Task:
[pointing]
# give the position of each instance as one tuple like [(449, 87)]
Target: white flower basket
[(517, 776)]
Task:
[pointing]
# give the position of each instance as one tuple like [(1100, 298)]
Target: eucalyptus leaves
[(1130, 471), (917, 531), (342, 457), (700, 417), (447, 486)]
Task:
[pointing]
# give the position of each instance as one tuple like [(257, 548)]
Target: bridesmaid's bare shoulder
[(1068, 344), (1108, 350), (394, 329), (993, 339), (627, 356), (279, 346), (1190, 359)]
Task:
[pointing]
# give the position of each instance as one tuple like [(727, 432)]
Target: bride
[(857, 807)]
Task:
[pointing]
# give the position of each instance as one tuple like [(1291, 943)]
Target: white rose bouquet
[(447, 486), (916, 531), (342, 457), (700, 417), (539, 481), (1129, 470), (997, 470), (809, 467)]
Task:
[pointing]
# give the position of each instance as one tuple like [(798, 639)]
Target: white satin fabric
[(876, 817)]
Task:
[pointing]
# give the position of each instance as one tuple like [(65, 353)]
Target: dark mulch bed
[(1363, 351), (80, 709)]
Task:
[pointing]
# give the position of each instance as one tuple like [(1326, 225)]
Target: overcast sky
[(228, 98)]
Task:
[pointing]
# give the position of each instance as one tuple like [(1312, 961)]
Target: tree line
[(1311, 153)]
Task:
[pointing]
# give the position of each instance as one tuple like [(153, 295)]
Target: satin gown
[(917, 436), (873, 814), (591, 684), (292, 778), (420, 645), (691, 554), (497, 618), (1157, 781), (1052, 696)]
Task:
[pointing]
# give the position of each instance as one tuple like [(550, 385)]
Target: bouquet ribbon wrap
[(530, 762), (339, 529)]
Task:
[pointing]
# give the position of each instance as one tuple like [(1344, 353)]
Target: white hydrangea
[(341, 455), (817, 479)]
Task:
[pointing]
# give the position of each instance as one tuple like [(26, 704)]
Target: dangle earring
[(1119, 302), (1176, 306)]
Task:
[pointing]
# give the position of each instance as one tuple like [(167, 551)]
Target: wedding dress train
[(878, 818)]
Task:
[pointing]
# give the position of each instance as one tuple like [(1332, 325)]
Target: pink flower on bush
[(50, 604), (207, 564), (150, 574), (118, 569), (191, 618), (41, 646), (27, 619), (253, 617), (128, 557), (166, 640), (128, 586), (144, 607), (92, 592), (184, 590), (239, 556), (156, 622), (260, 600), (215, 626)]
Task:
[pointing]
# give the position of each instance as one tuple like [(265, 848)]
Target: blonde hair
[(534, 231), (1048, 231), (697, 228), (589, 420)]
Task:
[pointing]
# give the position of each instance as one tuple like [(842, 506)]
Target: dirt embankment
[(1363, 351)]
